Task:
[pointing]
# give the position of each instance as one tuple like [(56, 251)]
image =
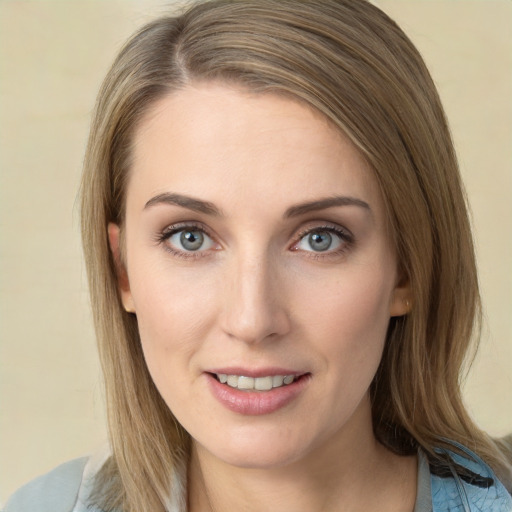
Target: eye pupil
[(320, 241), (191, 240)]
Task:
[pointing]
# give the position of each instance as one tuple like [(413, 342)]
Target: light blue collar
[(477, 491)]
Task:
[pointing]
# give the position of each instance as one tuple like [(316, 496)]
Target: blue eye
[(321, 240), (190, 240)]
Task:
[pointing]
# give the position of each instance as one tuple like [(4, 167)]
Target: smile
[(255, 383), (263, 393)]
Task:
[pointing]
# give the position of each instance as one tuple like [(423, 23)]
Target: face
[(260, 269)]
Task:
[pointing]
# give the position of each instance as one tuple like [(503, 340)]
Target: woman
[(281, 270)]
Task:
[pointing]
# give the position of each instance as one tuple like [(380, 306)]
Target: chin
[(259, 450), (260, 459)]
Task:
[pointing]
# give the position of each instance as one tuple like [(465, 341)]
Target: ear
[(401, 300), (114, 239)]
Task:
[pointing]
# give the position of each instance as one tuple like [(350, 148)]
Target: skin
[(257, 294)]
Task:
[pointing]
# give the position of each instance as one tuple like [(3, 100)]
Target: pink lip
[(255, 403)]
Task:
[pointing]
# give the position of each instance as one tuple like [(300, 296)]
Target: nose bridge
[(254, 309)]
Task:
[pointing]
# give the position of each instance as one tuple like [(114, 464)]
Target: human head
[(349, 61)]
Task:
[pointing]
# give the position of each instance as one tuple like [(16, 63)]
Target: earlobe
[(401, 302), (114, 239)]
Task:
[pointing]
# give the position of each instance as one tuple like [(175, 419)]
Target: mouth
[(256, 392), (264, 383)]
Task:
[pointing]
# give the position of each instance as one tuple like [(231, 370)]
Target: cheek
[(174, 315), (355, 302), (174, 310), (348, 319)]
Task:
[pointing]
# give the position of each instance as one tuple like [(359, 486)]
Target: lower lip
[(256, 403)]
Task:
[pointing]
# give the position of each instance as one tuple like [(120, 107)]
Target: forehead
[(221, 143)]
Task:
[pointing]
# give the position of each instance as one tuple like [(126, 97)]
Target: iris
[(191, 240), (320, 240)]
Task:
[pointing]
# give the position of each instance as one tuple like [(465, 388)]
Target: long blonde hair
[(348, 60)]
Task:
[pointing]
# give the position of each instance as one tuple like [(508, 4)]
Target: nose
[(255, 308)]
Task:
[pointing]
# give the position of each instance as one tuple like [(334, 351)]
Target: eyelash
[(169, 231), (346, 238)]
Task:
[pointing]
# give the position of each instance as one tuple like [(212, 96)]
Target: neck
[(350, 472)]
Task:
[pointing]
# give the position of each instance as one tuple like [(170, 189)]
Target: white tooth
[(277, 381), (288, 379), (245, 382), (222, 377), (263, 383), (232, 381)]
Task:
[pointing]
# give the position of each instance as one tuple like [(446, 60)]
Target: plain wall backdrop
[(53, 56)]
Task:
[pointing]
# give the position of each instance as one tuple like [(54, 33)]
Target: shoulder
[(57, 491), (466, 484), (66, 488)]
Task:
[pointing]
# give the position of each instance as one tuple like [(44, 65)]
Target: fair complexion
[(256, 246)]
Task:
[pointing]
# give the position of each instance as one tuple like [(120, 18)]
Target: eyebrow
[(209, 208), (190, 203), (322, 204)]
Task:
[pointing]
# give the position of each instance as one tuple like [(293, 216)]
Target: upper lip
[(256, 372)]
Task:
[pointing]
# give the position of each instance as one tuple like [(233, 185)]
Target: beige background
[(53, 55)]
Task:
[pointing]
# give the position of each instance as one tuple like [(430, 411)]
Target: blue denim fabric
[(456, 494)]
